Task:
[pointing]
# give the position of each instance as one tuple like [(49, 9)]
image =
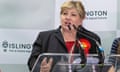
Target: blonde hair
[(74, 4)]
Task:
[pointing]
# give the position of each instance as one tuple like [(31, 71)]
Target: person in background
[(115, 50), (64, 38)]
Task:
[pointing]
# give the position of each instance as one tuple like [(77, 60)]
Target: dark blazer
[(53, 42)]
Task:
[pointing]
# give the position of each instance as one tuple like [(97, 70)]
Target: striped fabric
[(114, 60)]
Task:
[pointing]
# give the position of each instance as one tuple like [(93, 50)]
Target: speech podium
[(72, 63)]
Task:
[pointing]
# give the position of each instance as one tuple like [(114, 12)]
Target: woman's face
[(70, 17)]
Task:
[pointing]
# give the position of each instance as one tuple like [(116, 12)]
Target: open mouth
[(67, 23)]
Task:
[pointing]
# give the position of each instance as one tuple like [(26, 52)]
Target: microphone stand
[(81, 50), (79, 45), (99, 48)]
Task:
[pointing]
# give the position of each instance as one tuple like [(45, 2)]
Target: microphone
[(69, 27), (78, 45), (99, 48)]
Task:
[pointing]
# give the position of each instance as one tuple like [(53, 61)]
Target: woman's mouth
[(67, 23)]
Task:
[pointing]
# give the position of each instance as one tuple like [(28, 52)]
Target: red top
[(86, 45), (69, 45)]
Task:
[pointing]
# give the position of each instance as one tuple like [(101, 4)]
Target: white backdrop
[(22, 20)]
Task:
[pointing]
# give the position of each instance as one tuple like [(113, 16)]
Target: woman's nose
[(68, 17)]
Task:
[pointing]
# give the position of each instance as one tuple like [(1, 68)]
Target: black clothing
[(53, 42)]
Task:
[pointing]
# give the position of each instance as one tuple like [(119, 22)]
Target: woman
[(63, 39)]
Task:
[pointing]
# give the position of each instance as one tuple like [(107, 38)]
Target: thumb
[(44, 61), (50, 61)]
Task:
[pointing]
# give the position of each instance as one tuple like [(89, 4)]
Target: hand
[(112, 69), (46, 66)]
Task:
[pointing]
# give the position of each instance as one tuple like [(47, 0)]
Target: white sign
[(100, 15)]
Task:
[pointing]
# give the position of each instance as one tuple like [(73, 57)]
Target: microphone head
[(69, 27)]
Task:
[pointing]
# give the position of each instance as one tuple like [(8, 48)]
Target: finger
[(44, 70), (44, 62), (50, 61), (44, 67)]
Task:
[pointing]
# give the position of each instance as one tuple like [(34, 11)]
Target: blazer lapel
[(59, 36)]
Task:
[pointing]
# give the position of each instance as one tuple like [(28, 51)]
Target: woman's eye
[(64, 13), (73, 14)]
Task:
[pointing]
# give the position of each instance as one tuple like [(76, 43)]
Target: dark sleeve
[(114, 46), (37, 49), (113, 51)]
